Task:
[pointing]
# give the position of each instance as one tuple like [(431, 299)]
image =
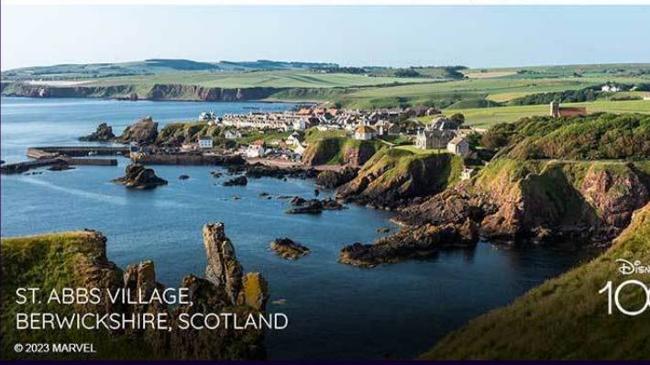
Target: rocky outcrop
[(255, 291), (236, 181), (195, 92), (143, 131), (393, 178), (48, 91), (139, 177), (79, 259), (454, 205), (541, 201), (339, 150), (413, 242), (258, 170), (565, 308), (312, 206), (289, 249), (131, 92), (223, 269), (188, 159), (104, 133), (331, 179)]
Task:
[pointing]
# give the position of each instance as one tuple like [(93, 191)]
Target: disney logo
[(629, 268)]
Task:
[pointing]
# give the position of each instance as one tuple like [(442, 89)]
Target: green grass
[(47, 262), (565, 318), (275, 79), (384, 90), (267, 136), (485, 117)]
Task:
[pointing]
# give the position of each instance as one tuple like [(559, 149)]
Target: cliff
[(135, 92), (543, 200), (394, 177), (566, 318), (78, 259), (176, 134), (339, 151)]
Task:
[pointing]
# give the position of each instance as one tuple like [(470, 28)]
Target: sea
[(335, 311)]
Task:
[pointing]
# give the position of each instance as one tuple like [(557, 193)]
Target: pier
[(76, 151), (68, 155)]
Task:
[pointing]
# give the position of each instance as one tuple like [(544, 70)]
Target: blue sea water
[(335, 311)]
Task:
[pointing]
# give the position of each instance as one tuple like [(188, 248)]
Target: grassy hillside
[(354, 87), (336, 148), (276, 79), (148, 67), (485, 117), (566, 317), (52, 261), (595, 137)]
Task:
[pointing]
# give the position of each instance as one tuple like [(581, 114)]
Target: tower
[(555, 109)]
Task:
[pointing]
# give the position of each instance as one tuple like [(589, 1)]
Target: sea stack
[(139, 177)]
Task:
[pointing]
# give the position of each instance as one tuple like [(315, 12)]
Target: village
[(279, 138), (403, 126)]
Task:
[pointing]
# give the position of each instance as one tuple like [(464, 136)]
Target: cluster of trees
[(567, 96)]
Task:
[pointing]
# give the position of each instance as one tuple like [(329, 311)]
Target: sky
[(490, 36)]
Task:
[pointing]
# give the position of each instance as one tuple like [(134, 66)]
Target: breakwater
[(20, 167), (65, 155), (76, 151)]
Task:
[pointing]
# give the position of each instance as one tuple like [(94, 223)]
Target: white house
[(205, 143), (232, 134), (255, 149), (458, 146), (295, 139), (300, 124), (207, 116), (364, 133), (610, 88)]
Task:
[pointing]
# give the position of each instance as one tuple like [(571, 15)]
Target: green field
[(484, 117), (363, 88), (444, 93), (276, 79)]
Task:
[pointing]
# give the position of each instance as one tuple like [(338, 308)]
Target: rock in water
[(104, 133), (331, 204), (144, 131), (312, 206), (289, 249), (223, 268), (409, 243), (139, 177), (183, 177), (60, 166), (236, 181), (255, 292), (302, 206)]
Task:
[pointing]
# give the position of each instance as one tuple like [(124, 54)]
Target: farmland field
[(484, 117), (277, 79)]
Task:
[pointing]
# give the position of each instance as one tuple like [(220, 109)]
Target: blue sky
[(394, 36)]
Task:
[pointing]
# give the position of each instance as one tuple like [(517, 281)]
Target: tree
[(458, 118)]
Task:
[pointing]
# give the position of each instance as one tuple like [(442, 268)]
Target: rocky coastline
[(169, 92), (226, 288)]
